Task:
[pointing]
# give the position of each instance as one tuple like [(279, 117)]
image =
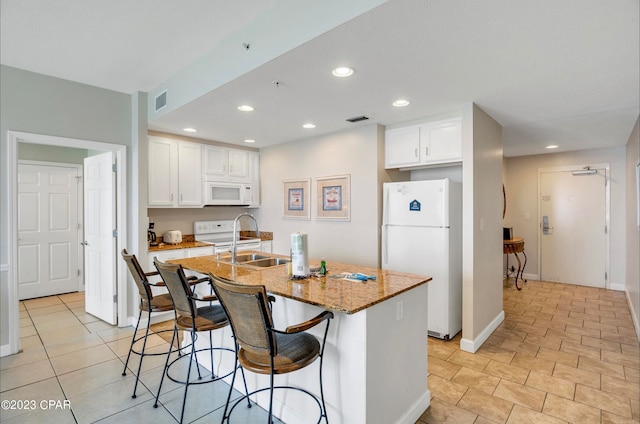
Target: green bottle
[(323, 268)]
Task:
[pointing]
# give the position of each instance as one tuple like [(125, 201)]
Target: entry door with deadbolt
[(573, 227)]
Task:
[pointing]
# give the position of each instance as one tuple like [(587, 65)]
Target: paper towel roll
[(299, 255)]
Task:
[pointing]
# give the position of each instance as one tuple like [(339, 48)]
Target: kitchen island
[(375, 365)]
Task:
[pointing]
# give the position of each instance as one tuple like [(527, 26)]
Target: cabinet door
[(190, 177), (163, 172), (239, 165), (402, 147), (215, 161), (441, 141), (254, 176)]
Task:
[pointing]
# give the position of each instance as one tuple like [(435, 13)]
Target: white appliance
[(220, 234), (172, 237), (221, 193), (422, 234)]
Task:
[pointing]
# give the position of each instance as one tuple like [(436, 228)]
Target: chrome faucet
[(234, 245)]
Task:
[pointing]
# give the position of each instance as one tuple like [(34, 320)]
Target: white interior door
[(48, 230), (573, 227), (99, 237)]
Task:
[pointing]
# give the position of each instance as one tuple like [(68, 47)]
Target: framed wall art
[(334, 198), (297, 198)]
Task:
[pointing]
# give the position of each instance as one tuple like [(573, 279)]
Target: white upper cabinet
[(423, 145), (221, 164), (175, 173), (254, 175)]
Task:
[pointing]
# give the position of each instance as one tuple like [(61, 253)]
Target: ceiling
[(564, 73)]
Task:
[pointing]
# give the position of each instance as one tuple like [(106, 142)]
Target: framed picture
[(297, 198), (334, 198)]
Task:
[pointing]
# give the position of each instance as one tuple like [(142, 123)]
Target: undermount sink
[(256, 260), (247, 257), (267, 262)]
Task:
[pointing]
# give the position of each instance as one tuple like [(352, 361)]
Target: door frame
[(607, 211), (80, 196), (15, 137)]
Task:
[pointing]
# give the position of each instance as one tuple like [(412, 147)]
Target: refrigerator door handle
[(385, 207)]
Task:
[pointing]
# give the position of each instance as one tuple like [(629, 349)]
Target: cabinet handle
[(181, 197), (415, 152), (426, 151), (171, 197)]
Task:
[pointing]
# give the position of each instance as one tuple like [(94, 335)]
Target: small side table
[(515, 246)]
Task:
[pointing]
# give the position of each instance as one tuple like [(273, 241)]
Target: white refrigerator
[(422, 234)]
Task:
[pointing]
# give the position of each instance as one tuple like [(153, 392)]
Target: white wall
[(632, 245), (355, 152), (522, 196), (39, 104), (481, 223)]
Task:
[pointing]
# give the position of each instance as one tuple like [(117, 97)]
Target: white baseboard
[(416, 410), (473, 345), (5, 350), (634, 315), (617, 287)]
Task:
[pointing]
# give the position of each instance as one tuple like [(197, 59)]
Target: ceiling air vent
[(161, 101), (357, 119)]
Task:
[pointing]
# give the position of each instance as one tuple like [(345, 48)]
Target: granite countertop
[(335, 294), (188, 241)]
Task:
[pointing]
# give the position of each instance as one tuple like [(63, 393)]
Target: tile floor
[(563, 354)]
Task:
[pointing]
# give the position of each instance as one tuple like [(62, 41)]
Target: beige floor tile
[(75, 344), (602, 367), (46, 390), (442, 368), (551, 384), (507, 371), (59, 335), (72, 297), (510, 334), (532, 363), (441, 350), (632, 374), (631, 360), (41, 302), (488, 406), (629, 347), (532, 329), (523, 415), (580, 350), (600, 326), (529, 349), (520, 394), (565, 335), (28, 354), (25, 374), (442, 412), (551, 342), (609, 418), (567, 410), (577, 375), (446, 390), (583, 331), (47, 310), (495, 353), (26, 322), (601, 344), (606, 401), (469, 360), (619, 386), (28, 331), (75, 305), (82, 358), (570, 359), (476, 379), (116, 333)]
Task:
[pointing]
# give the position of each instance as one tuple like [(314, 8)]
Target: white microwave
[(223, 193)]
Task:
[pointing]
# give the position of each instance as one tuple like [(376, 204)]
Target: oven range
[(220, 234)]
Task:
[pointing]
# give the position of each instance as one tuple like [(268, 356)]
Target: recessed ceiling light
[(190, 130), (249, 141), (245, 108), (552, 146), (309, 125), (401, 103), (342, 71)]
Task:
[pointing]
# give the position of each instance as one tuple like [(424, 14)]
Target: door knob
[(85, 243)]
